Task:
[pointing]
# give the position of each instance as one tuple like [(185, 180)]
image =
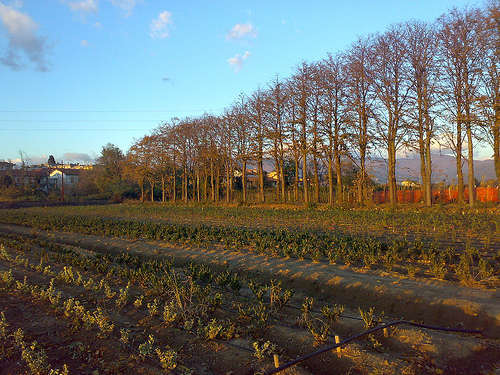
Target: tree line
[(410, 87)]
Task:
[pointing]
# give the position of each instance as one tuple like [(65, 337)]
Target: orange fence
[(483, 194)]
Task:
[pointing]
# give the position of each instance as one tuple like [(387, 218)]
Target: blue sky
[(76, 74)]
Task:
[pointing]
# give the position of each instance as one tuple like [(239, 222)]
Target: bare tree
[(422, 52), (334, 121), (392, 87), (300, 85), (256, 107), (276, 131), (360, 99), (240, 115), (490, 98), (293, 143), (462, 52)]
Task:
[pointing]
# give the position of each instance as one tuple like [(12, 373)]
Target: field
[(149, 289)]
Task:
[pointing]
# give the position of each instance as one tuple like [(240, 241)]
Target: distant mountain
[(443, 169)]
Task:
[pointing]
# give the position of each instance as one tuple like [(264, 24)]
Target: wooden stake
[(276, 361), (337, 341)]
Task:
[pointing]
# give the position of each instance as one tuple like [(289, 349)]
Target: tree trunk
[(296, 182), (496, 137), (152, 184), (428, 171), (330, 181), (198, 185), (260, 172), (460, 176), (338, 172), (316, 179), (278, 179), (205, 186), (304, 178), (163, 193), (423, 168), (228, 188), (212, 182), (282, 179), (174, 188), (217, 184), (470, 161), (361, 179), (244, 180), (391, 176)]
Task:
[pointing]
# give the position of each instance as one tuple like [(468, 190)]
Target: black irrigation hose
[(359, 335)]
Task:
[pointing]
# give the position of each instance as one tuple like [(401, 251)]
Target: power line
[(92, 120), (82, 129), (105, 111)]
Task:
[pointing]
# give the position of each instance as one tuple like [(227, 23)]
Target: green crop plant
[(138, 301), (124, 336), (438, 266), (278, 296), (153, 307), (486, 270), (170, 315), (35, 358), (146, 349), (369, 318), (332, 313), (3, 253), (319, 329), (3, 326), (211, 330), (306, 311), (167, 358), (123, 296), (464, 269), (264, 349), (259, 290)]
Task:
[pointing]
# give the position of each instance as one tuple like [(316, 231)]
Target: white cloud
[(22, 36), (159, 28), (126, 5), (237, 60), (76, 157), (16, 4), (242, 30), (84, 43), (85, 6)]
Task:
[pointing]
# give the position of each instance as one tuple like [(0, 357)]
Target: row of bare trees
[(409, 88)]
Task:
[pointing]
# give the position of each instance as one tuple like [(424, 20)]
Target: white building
[(69, 176)]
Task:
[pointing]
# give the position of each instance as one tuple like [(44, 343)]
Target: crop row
[(468, 266), (196, 297), (438, 219)]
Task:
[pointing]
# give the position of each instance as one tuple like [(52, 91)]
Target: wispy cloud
[(84, 6), (22, 36), (159, 28), (242, 30), (76, 157), (236, 62), (126, 5)]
